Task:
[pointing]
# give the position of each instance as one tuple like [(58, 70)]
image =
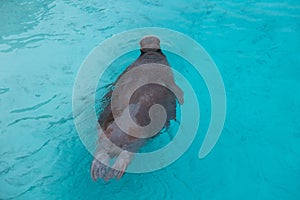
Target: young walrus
[(140, 102)]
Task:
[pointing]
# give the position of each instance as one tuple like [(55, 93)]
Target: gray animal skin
[(139, 105)]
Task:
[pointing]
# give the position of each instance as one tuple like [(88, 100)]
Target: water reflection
[(19, 16)]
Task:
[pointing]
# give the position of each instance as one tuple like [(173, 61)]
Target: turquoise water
[(255, 45)]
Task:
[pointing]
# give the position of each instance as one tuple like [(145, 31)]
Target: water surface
[(255, 44)]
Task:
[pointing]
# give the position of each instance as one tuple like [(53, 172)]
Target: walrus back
[(160, 94)]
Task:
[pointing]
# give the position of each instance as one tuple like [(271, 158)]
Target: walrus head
[(150, 42)]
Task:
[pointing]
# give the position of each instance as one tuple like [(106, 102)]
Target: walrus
[(140, 102)]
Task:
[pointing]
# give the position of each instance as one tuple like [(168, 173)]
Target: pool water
[(255, 45)]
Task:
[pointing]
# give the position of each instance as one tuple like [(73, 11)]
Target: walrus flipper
[(120, 165), (100, 164)]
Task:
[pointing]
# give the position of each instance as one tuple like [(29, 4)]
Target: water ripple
[(29, 118), (3, 90), (35, 107), (4, 167), (31, 41), (60, 121), (20, 16), (33, 152)]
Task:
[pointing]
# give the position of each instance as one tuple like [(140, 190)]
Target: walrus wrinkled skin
[(140, 102)]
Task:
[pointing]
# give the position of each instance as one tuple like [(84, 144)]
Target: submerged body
[(140, 103)]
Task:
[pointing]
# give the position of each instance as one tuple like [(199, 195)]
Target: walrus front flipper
[(99, 165), (120, 165)]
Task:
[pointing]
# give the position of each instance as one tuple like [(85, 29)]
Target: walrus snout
[(150, 42)]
